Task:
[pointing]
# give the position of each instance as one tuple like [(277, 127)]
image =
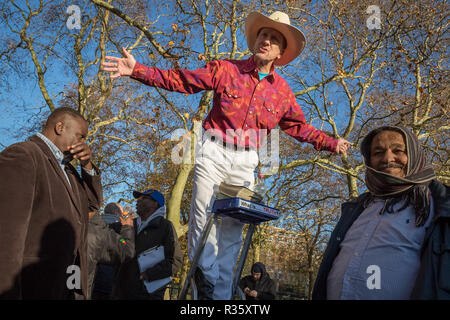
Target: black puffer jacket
[(107, 246), (264, 286)]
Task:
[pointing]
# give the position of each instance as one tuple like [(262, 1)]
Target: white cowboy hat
[(295, 39)]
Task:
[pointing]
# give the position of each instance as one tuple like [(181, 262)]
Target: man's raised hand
[(120, 66)]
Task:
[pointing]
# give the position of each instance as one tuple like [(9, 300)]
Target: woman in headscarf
[(392, 242)]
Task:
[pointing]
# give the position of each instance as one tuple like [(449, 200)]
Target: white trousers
[(216, 164)]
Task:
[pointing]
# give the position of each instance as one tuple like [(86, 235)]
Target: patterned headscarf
[(413, 187)]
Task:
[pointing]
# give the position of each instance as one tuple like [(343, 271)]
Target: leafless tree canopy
[(349, 80)]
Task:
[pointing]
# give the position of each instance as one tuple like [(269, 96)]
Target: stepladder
[(246, 212)]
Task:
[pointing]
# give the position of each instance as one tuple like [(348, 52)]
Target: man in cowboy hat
[(250, 99), (391, 242)]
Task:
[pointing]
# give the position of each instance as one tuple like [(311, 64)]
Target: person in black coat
[(152, 230), (106, 273), (105, 246), (258, 286)]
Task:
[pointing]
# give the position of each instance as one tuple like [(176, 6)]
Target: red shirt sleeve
[(179, 80), (293, 123)]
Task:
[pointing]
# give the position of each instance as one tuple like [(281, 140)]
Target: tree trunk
[(256, 253), (174, 204), (310, 275), (352, 186)]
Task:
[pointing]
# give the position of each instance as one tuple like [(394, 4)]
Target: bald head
[(60, 114)]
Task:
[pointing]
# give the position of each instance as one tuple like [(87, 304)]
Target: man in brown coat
[(44, 205)]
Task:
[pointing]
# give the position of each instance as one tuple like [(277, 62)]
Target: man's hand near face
[(82, 152)]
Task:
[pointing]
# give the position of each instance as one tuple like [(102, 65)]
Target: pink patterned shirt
[(241, 102)]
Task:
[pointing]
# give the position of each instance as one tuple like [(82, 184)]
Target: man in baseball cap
[(153, 230), (250, 99), (152, 193)]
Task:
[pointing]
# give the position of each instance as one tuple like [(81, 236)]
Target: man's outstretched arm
[(294, 123), (178, 80)]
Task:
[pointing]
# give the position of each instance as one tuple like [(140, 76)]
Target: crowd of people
[(50, 211)]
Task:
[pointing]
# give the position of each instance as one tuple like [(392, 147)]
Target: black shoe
[(205, 289)]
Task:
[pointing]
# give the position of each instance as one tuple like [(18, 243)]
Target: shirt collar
[(250, 66), (53, 148)]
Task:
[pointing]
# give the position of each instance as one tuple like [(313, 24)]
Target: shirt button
[(251, 112), (254, 99), (246, 125), (366, 235), (356, 253)]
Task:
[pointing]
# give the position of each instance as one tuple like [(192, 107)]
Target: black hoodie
[(264, 286)]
